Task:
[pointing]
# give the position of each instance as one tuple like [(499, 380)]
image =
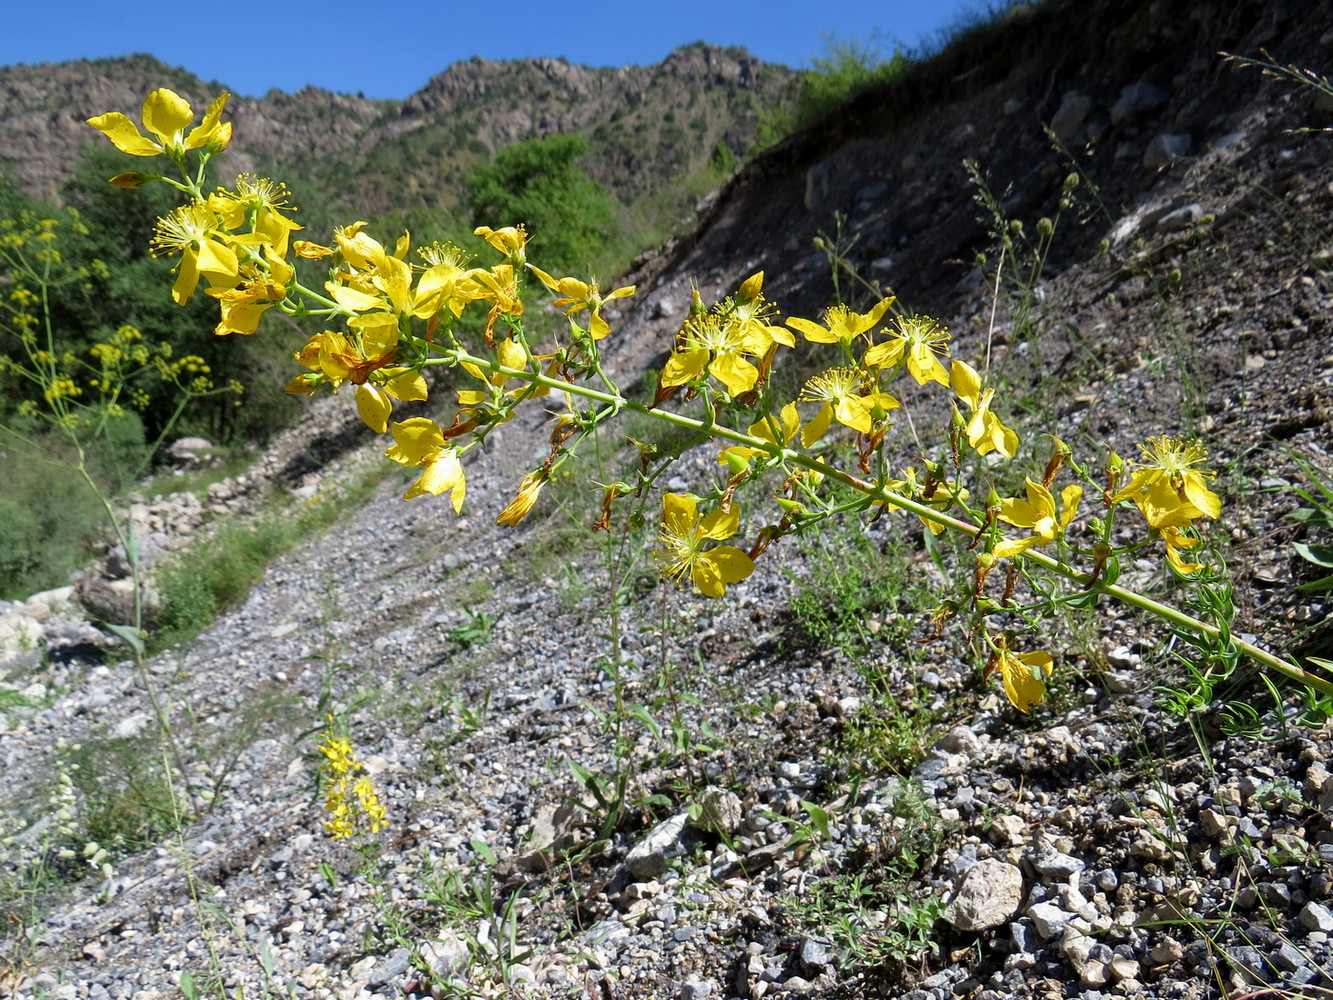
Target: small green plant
[(877, 924), (475, 910), (476, 631), (1317, 516)]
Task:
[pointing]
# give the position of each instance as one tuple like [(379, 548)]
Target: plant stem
[(878, 494)]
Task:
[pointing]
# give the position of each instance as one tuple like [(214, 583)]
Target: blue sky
[(391, 50)]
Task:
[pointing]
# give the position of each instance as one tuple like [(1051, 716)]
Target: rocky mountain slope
[(1103, 847), (646, 124)]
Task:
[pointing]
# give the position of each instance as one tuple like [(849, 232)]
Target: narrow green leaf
[(130, 635)]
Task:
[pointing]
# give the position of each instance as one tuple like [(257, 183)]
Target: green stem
[(879, 494)]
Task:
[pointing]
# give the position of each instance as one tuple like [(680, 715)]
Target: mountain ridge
[(430, 141)]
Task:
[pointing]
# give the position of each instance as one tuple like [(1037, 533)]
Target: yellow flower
[(520, 506), (166, 115), (682, 549), (848, 395), (340, 764), (266, 201), (1024, 676), (374, 400), (1168, 470), (580, 295), (420, 442), (984, 430), (919, 340), (511, 241), (843, 325), (1038, 513), (195, 232), (259, 289), (939, 494), (787, 425)]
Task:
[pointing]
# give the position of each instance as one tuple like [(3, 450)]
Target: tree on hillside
[(537, 183)]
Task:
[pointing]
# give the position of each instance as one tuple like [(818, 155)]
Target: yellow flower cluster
[(389, 314), (351, 799)]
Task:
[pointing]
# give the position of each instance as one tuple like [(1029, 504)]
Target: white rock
[(988, 894)]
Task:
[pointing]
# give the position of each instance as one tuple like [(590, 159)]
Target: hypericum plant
[(350, 798), (389, 316)]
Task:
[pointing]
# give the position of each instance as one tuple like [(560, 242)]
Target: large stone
[(1070, 118), (1165, 149), (1136, 99), (720, 811), (988, 894), (648, 858)]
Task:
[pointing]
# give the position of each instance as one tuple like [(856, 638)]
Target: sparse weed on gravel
[(854, 601), (876, 922)]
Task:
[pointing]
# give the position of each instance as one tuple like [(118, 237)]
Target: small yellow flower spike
[(340, 764), (420, 442), (683, 554), (166, 115)]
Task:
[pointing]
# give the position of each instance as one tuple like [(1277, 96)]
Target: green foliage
[(876, 926), (538, 184), (1317, 515), (857, 600), (845, 70), (49, 519), (220, 570), (217, 573), (126, 801)]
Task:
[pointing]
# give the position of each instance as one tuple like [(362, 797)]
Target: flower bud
[(131, 179)]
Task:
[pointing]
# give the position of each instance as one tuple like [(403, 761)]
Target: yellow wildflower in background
[(349, 797)]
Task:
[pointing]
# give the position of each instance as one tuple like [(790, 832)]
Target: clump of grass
[(855, 601), (877, 926)]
